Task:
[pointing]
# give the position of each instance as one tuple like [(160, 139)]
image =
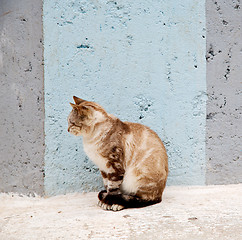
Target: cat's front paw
[(113, 207), (109, 202), (102, 195)]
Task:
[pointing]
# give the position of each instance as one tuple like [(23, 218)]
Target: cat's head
[(84, 116)]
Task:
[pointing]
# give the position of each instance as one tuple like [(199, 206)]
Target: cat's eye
[(82, 117)]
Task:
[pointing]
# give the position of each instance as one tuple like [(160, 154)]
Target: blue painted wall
[(142, 61)]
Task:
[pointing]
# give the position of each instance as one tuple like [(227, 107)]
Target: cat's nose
[(68, 129)]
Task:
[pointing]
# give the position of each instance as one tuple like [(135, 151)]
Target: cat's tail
[(127, 201)]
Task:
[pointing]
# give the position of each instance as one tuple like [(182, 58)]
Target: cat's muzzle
[(74, 130)]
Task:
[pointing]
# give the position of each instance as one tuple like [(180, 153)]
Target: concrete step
[(186, 212)]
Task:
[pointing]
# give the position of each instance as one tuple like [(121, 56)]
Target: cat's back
[(141, 143), (141, 134)]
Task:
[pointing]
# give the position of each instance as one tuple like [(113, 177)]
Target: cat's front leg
[(112, 189), (111, 199), (112, 181), (105, 179)]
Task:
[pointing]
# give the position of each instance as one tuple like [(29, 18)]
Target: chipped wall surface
[(21, 92), (142, 61), (224, 68)]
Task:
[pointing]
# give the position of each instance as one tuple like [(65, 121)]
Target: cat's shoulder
[(140, 129), (136, 126)]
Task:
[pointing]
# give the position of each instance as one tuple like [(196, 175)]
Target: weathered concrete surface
[(143, 62), (21, 94), (224, 67), (211, 212)]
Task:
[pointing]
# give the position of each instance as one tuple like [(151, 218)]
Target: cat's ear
[(78, 100), (74, 106), (87, 110)]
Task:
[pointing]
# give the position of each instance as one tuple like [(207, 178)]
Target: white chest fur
[(91, 151)]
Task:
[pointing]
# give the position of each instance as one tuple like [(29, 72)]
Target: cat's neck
[(99, 130)]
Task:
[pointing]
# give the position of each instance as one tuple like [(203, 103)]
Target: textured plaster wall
[(224, 68), (21, 94), (144, 62)]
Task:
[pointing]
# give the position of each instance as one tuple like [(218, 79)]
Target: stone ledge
[(187, 212)]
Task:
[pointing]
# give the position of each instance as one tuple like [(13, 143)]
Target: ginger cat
[(131, 157)]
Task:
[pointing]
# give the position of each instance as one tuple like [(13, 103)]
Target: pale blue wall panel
[(144, 61)]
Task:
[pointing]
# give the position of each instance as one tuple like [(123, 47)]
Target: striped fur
[(131, 157)]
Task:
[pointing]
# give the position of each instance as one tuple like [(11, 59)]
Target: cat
[(130, 156)]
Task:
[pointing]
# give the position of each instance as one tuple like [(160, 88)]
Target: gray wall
[(21, 94), (224, 74)]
